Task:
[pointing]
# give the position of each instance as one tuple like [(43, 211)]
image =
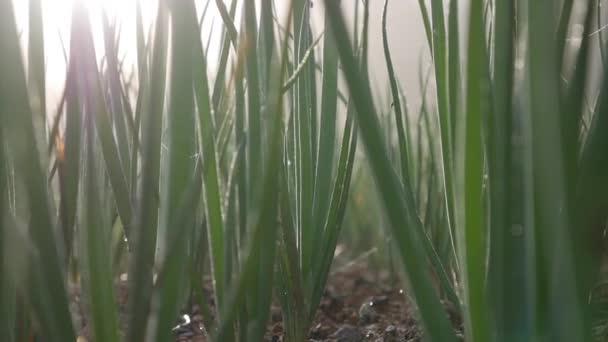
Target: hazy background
[(405, 31)]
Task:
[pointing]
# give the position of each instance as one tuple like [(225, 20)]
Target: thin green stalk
[(327, 131), (446, 121), (180, 158), (471, 213), (213, 198), (115, 106), (144, 232), (37, 76), (403, 142), (94, 261)]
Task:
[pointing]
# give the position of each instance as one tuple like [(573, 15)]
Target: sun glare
[(57, 19)]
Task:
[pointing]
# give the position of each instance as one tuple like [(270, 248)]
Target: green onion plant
[(493, 194)]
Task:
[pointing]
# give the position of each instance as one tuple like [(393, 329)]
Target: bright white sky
[(405, 34), (57, 19)]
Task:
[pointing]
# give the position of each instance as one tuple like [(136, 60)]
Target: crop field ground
[(263, 190)]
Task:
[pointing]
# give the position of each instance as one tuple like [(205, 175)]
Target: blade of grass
[(143, 235), (333, 225), (300, 68), (95, 261), (115, 105), (255, 157), (213, 199), (241, 140), (223, 142), (142, 76), (36, 75), (446, 121), (327, 130), (304, 164), (426, 21), (181, 149), (69, 175), (183, 221), (403, 142), (562, 31), (507, 260), (471, 216), (226, 42), (552, 211), (266, 41), (227, 18), (590, 203), (254, 129), (454, 67), (7, 324)]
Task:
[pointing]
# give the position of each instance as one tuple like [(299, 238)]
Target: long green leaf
[(551, 197), (144, 232), (95, 260), (339, 196), (446, 121), (226, 42), (37, 76), (507, 258), (304, 136), (470, 220), (213, 198), (396, 97), (115, 98), (327, 131), (181, 149)]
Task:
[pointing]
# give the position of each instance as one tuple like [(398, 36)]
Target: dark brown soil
[(358, 305)]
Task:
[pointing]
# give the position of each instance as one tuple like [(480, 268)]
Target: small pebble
[(370, 335), (186, 334), (348, 333), (367, 313), (320, 331), (390, 334), (379, 300), (182, 331)]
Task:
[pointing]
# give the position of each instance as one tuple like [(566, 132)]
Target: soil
[(357, 305)]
